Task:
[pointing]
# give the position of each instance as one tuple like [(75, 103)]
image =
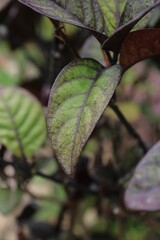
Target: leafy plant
[(77, 91), (76, 102)]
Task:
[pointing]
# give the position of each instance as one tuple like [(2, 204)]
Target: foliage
[(81, 84)]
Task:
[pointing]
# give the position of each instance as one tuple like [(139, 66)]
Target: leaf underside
[(78, 97), (22, 122), (107, 19), (101, 16), (138, 46), (143, 192), (134, 11)]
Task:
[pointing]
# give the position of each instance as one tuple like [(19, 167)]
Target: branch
[(43, 197), (52, 177), (59, 33), (129, 127)]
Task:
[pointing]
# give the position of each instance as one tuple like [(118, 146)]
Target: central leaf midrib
[(14, 126), (81, 112), (73, 16)]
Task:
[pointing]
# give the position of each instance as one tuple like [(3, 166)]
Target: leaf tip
[(70, 171)]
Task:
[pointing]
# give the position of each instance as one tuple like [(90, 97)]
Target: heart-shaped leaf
[(134, 11), (78, 97), (138, 46), (22, 121), (101, 16), (143, 192)]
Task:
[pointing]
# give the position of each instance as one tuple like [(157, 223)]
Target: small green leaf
[(9, 199), (143, 190), (92, 49), (22, 121), (78, 97), (101, 16)]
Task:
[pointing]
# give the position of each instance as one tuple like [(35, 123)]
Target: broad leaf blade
[(134, 11), (138, 46), (134, 8), (101, 16), (22, 121), (78, 98), (143, 192)]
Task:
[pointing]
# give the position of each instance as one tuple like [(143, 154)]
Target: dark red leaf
[(138, 46)]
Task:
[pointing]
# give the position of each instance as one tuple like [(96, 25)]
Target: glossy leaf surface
[(138, 46), (143, 190), (22, 122), (78, 97)]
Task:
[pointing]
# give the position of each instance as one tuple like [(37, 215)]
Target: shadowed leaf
[(138, 46), (134, 11), (78, 98), (143, 192), (22, 122), (92, 49), (101, 16)]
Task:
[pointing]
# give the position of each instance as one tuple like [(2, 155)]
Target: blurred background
[(46, 204)]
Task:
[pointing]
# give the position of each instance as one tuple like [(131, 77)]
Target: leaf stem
[(63, 37), (73, 215), (129, 127), (2, 150), (43, 197), (53, 177), (107, 58)]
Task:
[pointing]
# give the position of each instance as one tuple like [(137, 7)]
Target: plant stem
[(62, 36), (2, 150), (107, 58), (43, 197), (63, 211), (73, 214), (129, 127), (52, 177)]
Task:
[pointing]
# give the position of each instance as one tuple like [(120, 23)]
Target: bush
[(79, 121)]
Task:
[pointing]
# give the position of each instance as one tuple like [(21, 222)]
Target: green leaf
[(9, 199), (143, 190), (92, 49), (101, 16), (22, 121), (78, 97), (6, 79), (133, 8), (134, 11)]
